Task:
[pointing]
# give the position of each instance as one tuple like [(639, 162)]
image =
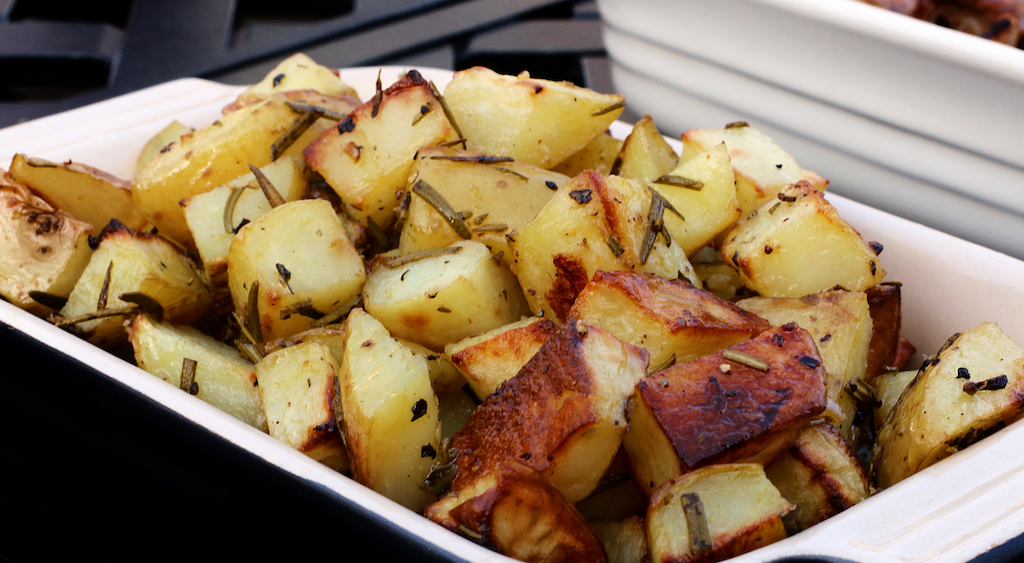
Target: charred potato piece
[(45, 249), (715, 513), (645, 155), (563, 414), (669, 318), (820, 474), (536, 121), (719, 409), (972, 388), (222, 377), (366, 159), (597, 155), (390, 413), (494, 357), (517, 512), (800, 245), (87, 193), (884, 300), (593, 223)]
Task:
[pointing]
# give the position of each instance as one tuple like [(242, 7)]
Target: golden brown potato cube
[(161, 141), (298, 72), (297, 252), (734, 509), (800, 245), (720, 410), (645, 153), (625, 541), (597, 155), (884, 300), (499, 197), (820, 474), (840, 323), (592, 223), (87, 193), (489, 359), (222, 377), (563, 414), (443, 298), (136, 262), (517, 512), (45, 249), (707, 210), (972, 388), (207, 158), (296, 386), (670, 318), (390, 413), (532, 120), (366, 159), (762, 167)]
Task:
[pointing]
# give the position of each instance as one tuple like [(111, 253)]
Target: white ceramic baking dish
[(901, 114), (952, 511)]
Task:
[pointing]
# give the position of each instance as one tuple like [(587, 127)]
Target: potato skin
[(886, 319)]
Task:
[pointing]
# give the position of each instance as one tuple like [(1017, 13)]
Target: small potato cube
[(645, 153), (707, 211), (443, 298), (972, 388), (500, 196), (740, 508), (762, 167), (88, 194), (296, 252), (444, 376), (535, 121), (800, 245), (597, 155), (625, 541), (297, 389), (563, 414), (490, 359), (593, 223), (518, 513), (45, 249), (223, 378), (160, 142), (137, 262), (820, 474), (717, 410), (889, 387), (670, 318), (840, 323), (390, 413), (366, 159)]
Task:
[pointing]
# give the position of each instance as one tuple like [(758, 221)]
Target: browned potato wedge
[(820, 474), (390, 412), (161, 142), (564, 414), (87, 193), (800, 245), (972, 388), (597, 155), (886, 320), (719, 410), (645, 153), (715, 513), (670, 318), (368, 156), (222, 377), (491, 358), (499, 196), (45, 249), (136, 262), (762, 167), (625, 541), (593, 223), (517, 512), (532, 120), (297, 253)]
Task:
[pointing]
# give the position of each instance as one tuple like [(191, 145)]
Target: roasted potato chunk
[(800, 245), (715, 513), (717, 409), (298, 72), (597, 155), (645, 153), (563, 414), (888, 388), (494, 357), (625, 541), (161, 142), (669, 318), (518, 513), (972, 388)]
